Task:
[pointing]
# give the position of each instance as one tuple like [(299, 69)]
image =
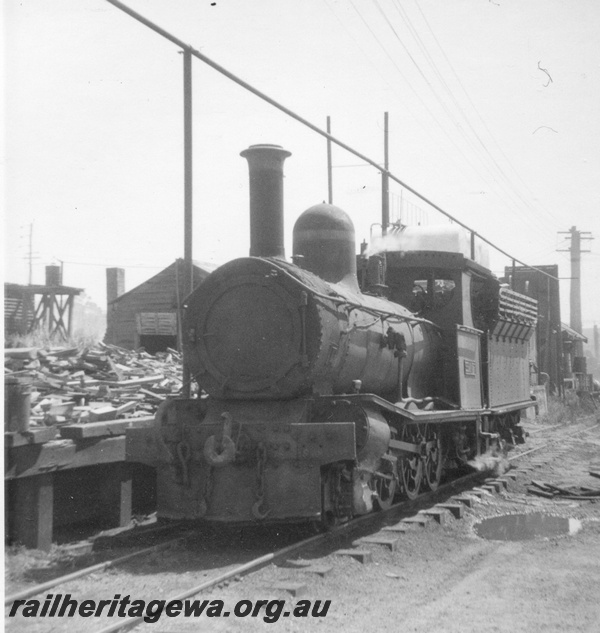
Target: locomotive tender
[(335, 386)]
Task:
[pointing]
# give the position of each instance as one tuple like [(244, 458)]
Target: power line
[(446, 86), (416, 94), (111, 265), (477, 147), (192, 51), (546, 211), (473, 165), (394, 86), (510, 190)]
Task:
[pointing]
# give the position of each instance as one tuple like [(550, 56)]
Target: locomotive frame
[(335, 383)]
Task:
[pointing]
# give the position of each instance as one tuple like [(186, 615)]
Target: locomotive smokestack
[(265, 163)]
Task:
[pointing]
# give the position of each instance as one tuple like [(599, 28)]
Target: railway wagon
[(334, 383)]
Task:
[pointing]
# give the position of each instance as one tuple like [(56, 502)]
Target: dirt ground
[(441, 577)]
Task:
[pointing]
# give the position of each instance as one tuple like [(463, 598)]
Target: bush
[(564, 410)]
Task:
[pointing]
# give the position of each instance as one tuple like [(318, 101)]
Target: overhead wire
[(244, 84), (512, 191), (71, 263), (414, 32), (447, 110), (425, 128), (412, 89), (481, 119), (393, 86)]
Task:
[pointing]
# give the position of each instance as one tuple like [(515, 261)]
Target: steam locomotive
[(338, 382)]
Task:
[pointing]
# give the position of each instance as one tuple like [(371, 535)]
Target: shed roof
[(572, 334), (205, 268)]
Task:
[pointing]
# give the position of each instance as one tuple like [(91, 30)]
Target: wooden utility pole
[(30, 256), (575, 296), (188, 270), (385, 179), (329, 165)]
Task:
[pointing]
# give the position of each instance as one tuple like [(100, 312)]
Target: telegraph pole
[(576, 238), (329, 165), (188, 267), (30, 253), (385, 178)]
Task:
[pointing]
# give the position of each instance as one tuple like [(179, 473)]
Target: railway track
[(50, 584), (349, 531), (187, 534), (221, 573)]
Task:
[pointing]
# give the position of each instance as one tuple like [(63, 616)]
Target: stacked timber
[(105, 386)]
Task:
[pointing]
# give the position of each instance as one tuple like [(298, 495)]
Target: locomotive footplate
[(243, 462)]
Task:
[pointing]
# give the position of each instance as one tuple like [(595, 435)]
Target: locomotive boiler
[(333, 387)]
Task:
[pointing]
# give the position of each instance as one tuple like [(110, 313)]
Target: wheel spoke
[(434, 459), (386, 490), (411, 468)]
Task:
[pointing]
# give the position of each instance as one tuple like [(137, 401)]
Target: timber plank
[(32, 436), (26, 353), (26, 461), (134, 382), (108, 428)]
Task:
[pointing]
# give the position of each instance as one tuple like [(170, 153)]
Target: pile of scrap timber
[(70, 387)]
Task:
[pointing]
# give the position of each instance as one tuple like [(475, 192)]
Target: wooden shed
[(148, 316)]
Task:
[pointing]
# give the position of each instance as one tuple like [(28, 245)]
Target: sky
[(493, 116)]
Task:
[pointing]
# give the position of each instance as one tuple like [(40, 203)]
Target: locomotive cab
[(484, 325), (451, 291)]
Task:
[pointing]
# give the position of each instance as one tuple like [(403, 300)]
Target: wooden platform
[(65, 481)]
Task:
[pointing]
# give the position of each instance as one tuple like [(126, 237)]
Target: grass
[(24, 566), (41, 339), (566, 410)]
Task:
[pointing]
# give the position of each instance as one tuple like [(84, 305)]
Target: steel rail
[(246, 567), (37, 589), (251, 565), (209, 62), (354, 524), (547, 428), (537, 448), (531, 450), (32, 591), (562, 424), (404, 505), (588, 429)]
